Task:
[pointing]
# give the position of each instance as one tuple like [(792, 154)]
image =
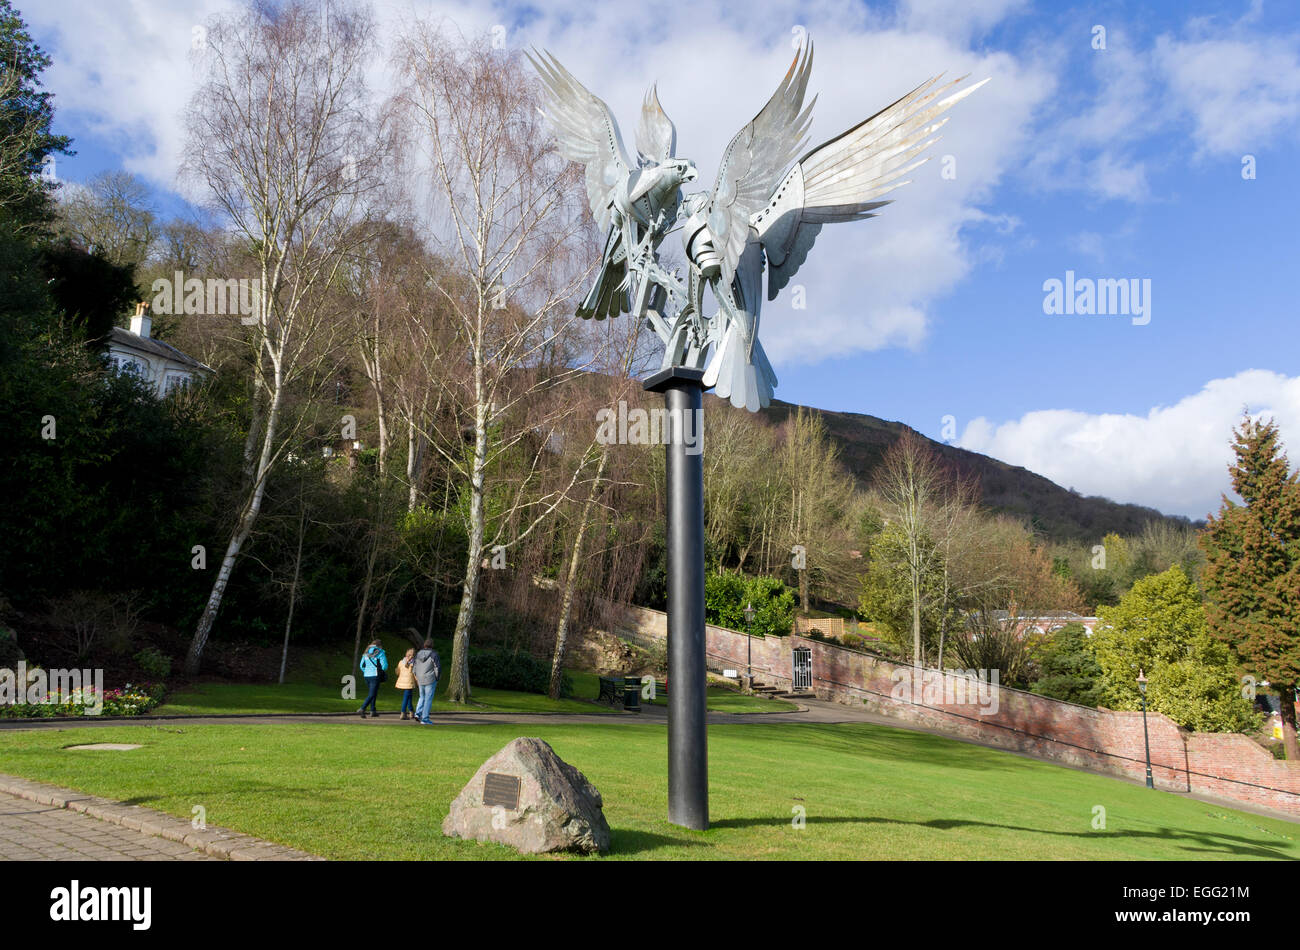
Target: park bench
[(611, 688)]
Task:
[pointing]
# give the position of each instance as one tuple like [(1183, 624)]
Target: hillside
[(1057, 513)]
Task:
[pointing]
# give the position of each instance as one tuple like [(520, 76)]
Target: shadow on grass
[(278, 791), (1209, 842), (638, 842), (855, 741)]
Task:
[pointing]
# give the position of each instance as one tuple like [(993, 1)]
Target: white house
[(159, 363)]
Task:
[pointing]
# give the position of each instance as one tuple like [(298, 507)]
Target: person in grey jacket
[(428, 668)]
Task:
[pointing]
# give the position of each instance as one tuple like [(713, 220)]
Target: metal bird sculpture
[(763, 214), (634, 203)]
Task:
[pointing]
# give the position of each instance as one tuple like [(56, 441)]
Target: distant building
[(1054, 620), (160, 364), (1047, 622)]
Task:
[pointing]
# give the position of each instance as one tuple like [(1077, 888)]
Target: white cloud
[(1175, 458), (1239, 90), (1088, 143), (122, 69), (1090, 244), (959, 19), (1231, 88), (126, 69)]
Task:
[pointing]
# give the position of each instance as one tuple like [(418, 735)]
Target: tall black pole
[(1146, 740), (688, 763)]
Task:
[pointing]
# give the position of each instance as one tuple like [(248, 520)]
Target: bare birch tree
[(909, 484), (281, 138), (817, 501), (510, 220)]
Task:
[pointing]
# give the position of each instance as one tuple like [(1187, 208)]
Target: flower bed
[(127, 701)]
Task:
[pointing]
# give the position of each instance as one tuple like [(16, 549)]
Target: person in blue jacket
[(374, 667)]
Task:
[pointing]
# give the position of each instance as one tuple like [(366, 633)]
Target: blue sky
[(1117, 162)]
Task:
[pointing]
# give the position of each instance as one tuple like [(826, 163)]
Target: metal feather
[(586, 131), (844, 178), (755, 158), (656, 136)]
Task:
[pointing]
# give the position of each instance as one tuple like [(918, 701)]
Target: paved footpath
[(30, 831), (40, 822)]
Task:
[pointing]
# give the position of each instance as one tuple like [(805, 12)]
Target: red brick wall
[(1224, 764)]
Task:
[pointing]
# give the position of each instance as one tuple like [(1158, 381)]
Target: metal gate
[(802, 668)]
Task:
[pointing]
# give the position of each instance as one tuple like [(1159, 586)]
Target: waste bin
[(632, 693)]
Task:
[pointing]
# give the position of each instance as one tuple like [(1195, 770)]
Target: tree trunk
[(293, 596), (458, 683), (254, 427), (414, 451), (1287, 693), (433, 612), (365, 596), (382, 415), (437, 566), (566, 603), (803, 584), (917, 659), (243, 529), (943, 619)]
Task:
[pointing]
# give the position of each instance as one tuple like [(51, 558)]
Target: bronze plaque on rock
[(501, 789)]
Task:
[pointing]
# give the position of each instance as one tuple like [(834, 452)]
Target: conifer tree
[(1252, 570)]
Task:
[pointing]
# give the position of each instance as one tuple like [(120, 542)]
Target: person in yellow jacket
[(406, 683)]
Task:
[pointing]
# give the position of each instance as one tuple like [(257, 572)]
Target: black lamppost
[(1142, 685), (749, 646)]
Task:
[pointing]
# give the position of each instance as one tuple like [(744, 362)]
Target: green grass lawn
[(250, 698), (723, 700), (313, 685), (353, 790)]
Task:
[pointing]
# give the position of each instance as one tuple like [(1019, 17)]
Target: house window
[(125, 364), (174, 382)]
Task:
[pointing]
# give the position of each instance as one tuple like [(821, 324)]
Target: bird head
[(661, 182), (682, 169)]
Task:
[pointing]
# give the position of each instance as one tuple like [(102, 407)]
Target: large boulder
[(527, 797)]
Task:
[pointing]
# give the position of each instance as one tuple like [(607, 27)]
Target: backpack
[(437, 667), (379, 670)]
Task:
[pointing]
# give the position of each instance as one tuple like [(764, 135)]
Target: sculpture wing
[(656, 136), (754, 160), (587, 133), (843, 179)]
